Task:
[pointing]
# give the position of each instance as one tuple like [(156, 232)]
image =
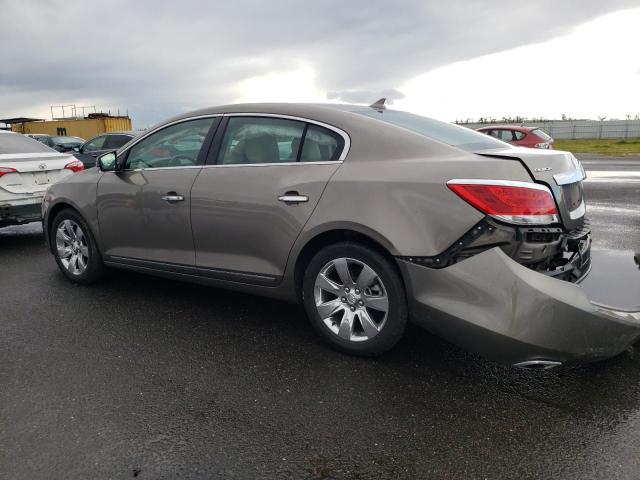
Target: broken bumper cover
[(19, 214), (492, 305)]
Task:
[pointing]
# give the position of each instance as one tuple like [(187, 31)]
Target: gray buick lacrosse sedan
[(369, 217)]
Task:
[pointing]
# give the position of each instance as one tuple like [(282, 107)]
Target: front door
[(250, 205), (144, 209)]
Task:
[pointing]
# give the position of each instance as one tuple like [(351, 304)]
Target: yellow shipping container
[(83, 128)]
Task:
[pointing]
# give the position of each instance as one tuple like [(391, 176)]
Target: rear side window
[(114, 142), (95, 144), (17, 143), (540, 134), (254, 140), (519, 135), (321, 145)]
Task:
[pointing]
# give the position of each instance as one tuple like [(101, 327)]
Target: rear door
[(144, 209), (262, 182)]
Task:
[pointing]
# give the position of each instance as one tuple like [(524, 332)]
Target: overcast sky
[(450, 59)]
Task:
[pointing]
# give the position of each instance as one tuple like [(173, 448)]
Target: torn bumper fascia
[(492, 305)]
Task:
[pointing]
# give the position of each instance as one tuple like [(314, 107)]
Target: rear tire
[(74, 248), (355, 298)]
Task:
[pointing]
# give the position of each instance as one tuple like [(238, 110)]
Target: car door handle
[(293, 197), (172, 197)]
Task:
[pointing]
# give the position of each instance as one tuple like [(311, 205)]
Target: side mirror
[(108, 162)]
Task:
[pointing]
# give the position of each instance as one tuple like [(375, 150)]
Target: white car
[(27, 168)]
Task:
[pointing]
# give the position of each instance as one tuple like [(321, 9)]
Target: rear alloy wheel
[(355, 299), (75, 249)]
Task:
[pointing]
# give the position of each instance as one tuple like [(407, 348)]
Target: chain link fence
[(573, 129)]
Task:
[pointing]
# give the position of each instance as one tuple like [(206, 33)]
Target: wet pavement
[(150, 378)]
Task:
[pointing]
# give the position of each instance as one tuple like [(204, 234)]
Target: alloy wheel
[(72, 247), (351, 299)]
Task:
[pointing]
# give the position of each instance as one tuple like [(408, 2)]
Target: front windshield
[(454, 135)]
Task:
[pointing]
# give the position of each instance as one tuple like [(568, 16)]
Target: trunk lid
[(560, 171), (35, 171)]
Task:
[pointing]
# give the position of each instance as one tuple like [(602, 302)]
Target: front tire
[(355, 299), (75, 249)]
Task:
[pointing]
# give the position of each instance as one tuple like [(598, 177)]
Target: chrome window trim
[(342, 133), (161, 127), (505, 183)]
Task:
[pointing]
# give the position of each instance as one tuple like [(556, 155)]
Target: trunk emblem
[(42, 166)]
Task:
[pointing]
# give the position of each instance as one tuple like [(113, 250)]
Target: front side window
[(175, 146), (252, 140), (95, 144)]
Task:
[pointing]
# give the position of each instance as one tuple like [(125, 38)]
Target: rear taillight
[(76, 166), (5, 170), (544, 145), (510, 201)]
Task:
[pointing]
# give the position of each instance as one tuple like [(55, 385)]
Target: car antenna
[(379, 105)]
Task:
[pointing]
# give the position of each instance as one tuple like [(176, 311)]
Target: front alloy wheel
[(72, 247)]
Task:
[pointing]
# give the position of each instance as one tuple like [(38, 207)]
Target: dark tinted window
[(17, 143), (252, 140), (444, 132), (321, 145), (114, 142), (174, 146)]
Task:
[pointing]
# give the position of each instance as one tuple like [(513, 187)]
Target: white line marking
[(612, 209), (613, 176)]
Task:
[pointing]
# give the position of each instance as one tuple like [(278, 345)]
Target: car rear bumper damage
[(18, 214), (491, 304)]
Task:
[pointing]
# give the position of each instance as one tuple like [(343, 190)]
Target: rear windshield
[(63, 140), (540, 134), (454, 135), (16, 143)]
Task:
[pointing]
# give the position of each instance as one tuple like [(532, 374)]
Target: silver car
[(368, 216)]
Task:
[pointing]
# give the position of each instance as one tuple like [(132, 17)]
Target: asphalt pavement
[(140, 377)]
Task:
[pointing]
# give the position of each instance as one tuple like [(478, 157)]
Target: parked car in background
[(27, 168), (530, 137), (58, 143), (96, 146), (41, 137), (365, 215)]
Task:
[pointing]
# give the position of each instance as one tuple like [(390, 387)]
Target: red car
[(531, 137)]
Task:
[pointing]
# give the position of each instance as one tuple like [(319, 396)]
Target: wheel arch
[(344, 233), (53, 211)]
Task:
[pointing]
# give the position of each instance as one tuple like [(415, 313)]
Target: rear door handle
[(293, 197), (172, 197)]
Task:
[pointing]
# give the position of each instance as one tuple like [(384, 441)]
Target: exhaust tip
[(538, 364)]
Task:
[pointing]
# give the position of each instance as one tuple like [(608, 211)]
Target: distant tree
[(564, 117)]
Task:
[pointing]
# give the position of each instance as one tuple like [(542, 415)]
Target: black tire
[(393, 326), (94, 267)]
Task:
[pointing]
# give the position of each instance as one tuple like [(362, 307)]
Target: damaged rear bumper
[(492, 305)]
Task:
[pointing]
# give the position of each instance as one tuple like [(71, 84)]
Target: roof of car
[(508, 127)]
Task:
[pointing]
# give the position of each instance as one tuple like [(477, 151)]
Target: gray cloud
[(160, 58)]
